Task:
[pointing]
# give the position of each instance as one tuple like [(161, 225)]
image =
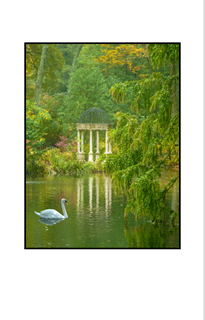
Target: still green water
[(95, 215)]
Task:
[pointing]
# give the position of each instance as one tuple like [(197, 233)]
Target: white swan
[(53, 214)]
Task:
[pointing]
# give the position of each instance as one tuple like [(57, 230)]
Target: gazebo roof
[(94, 115)]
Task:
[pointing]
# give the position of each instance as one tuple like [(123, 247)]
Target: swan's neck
[(64, 209)]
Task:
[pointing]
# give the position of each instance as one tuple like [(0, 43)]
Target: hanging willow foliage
[(145, 147)]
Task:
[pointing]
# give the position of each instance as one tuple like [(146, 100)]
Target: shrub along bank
[(54, 161)]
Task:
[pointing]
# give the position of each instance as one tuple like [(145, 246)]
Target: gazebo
[(93, 119)]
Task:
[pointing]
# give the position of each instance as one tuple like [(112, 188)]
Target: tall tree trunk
[(79, 47), (148, 57), (41, 69), (173, 89)]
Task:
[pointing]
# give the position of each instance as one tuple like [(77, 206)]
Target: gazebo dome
[(94, 115)]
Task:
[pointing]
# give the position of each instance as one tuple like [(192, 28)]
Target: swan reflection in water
[(50, 222)]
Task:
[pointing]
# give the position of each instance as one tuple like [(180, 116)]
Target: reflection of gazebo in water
[(93, 119), (98, 190)]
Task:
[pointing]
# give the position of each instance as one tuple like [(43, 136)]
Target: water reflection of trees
[(148, 235), (173, 194)]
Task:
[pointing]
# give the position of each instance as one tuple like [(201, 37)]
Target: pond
[(95, 215)]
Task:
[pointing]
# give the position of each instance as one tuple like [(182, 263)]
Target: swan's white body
[(53, 214)]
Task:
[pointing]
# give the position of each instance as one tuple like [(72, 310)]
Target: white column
[(82, 141), (97, 142), (91, 141), (97, 136), (110, 150), (106, 139), (91, 147), (78, 141)]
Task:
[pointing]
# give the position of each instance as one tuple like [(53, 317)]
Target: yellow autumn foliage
[(123, 54)]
